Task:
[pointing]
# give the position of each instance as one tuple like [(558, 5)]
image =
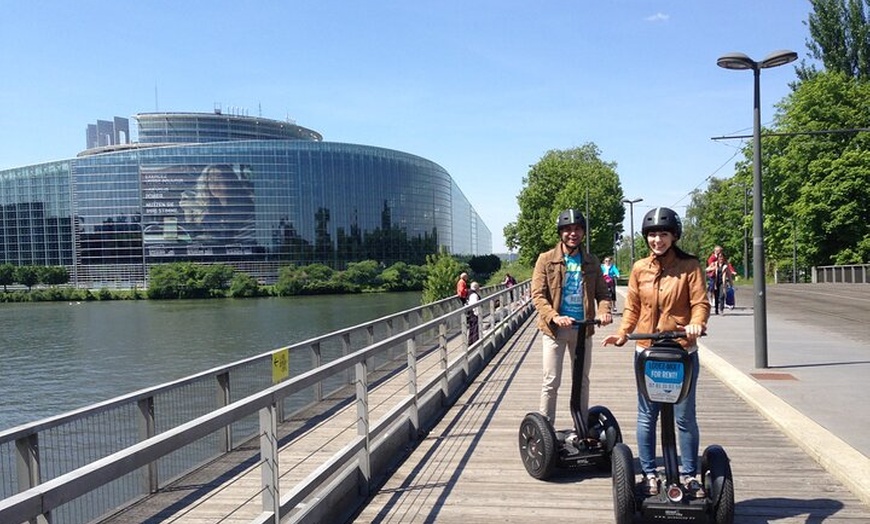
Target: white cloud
[(658, 17)]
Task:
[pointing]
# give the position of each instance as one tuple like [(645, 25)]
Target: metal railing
[(846, 274), (83, 465)]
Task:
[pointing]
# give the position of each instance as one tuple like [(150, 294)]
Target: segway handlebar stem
[(587, 322)]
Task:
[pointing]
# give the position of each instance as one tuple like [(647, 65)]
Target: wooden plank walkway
[(468, 469)]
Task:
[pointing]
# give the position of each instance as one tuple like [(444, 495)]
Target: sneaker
[(651, 484), (694, 487)]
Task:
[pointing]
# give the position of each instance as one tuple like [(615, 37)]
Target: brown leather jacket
[(547, 279), (665, 293)]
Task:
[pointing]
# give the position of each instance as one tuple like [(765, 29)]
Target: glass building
[(254, 193)]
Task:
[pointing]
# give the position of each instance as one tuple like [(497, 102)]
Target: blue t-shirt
[(572, 290)]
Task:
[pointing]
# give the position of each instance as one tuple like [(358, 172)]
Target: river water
[(59, 356)]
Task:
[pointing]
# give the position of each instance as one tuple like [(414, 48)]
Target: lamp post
[(614, 225), (741, 61), (631, 204)]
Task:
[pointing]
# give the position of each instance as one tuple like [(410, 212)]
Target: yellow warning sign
[(280, 365)]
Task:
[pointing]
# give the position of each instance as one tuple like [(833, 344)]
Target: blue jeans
[(688, 436)]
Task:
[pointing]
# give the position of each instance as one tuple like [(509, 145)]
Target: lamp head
[(778, 58), (736, 61)]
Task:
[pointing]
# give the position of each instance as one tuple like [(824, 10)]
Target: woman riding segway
[(666, 292)]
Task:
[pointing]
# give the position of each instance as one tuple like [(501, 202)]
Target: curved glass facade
[(158, 128), (255, 204)]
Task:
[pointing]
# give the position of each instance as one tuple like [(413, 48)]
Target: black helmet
[(570, 217), (662, 219)]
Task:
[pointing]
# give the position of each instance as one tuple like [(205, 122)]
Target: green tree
[(816, 199), (716, 217), (7, 275), (839, 39), (364, 274), (27, 276), (403, 277), (563, 179), (243, 285), (53, 275), (483, 266), (442, 272), (214, 279)]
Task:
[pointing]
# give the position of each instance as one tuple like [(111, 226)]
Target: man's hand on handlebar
[(615, 340)]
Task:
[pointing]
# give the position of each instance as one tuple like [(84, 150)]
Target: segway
[(664, 375), (589, 443)]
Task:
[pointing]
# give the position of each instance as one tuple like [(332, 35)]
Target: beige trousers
[(554, 357)]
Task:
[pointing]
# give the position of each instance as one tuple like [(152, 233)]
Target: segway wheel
[(623, 484), (537, 446), (604, 427), (717, 480)]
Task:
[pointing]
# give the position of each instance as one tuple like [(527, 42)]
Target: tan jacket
[(664, 293), (547, 279)]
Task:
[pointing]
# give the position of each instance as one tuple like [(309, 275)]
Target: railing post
[(414, 416), (345, 350), (443, 358), (146, 431), (370, 339), (28, 469), (362, 425), (316, 362), (225, 438), (270, 497)]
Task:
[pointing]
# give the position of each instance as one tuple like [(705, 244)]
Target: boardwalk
[(469, 470)]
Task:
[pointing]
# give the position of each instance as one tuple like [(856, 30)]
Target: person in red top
[(711, 276), (462, 288)]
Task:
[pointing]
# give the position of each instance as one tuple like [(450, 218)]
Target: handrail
[(842, 274), (45, 497)]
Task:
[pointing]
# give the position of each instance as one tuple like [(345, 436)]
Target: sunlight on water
[(60, 356)]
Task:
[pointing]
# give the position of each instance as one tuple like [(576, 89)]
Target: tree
[(817, 200), (53, 275), (839, 39), (442, 272), (562, 179), (485, 265), (403, 277), (243, 285), (27, 275), (7, 275)]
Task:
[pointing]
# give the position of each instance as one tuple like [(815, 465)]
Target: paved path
[(796, 441)]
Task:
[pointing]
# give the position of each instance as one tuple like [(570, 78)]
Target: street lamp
[(741, 61), (631, 204), (615, 227)]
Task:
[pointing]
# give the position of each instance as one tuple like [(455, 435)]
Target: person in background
[(473, 316), (666, 292), (509, 282), (611, 273), (462, 288), (723, 278), (711, 278), (566, 284)]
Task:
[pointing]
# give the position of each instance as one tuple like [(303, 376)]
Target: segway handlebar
[(587, 322), (662, 335)]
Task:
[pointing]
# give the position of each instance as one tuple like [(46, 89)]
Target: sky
[(484, 89)]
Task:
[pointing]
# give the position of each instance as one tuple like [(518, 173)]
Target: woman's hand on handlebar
[(693, 331)]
